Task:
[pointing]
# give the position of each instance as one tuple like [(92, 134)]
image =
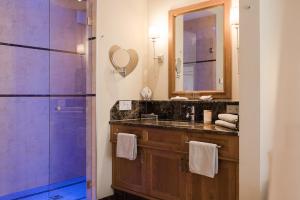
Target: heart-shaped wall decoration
[(124, 61)]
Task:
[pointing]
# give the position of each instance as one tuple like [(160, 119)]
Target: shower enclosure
[(47, 99)]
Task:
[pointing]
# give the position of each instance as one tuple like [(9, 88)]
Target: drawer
[(168, 139), (115, 129), (229, 145)]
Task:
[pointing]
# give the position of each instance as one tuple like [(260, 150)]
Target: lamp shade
[(154, 32), (234, 16)]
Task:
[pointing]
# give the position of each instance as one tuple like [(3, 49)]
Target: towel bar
[(219, 147)]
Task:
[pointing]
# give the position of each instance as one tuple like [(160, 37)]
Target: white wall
[(268, 73), (249, 101), (281, 72), (123, 23), (270, 43), (157, 74)]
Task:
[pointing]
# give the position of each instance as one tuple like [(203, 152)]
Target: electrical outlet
[(125, 105), (232, 109)]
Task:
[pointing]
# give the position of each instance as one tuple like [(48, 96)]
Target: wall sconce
[(235, 16), (235, 22), (154, 35)]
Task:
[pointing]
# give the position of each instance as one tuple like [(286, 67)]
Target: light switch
[(125, 105)]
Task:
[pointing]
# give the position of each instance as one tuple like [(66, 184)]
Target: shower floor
[(74, 189)]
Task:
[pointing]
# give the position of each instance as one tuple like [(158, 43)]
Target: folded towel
[(229, 118), (226, 124), (206, 98), (126, 146), (203, 158), (179, 98)]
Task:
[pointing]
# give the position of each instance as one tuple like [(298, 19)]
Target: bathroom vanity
[(161, 170), (199, 64)]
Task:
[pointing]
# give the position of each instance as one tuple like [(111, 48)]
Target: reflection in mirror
[(199, 50)]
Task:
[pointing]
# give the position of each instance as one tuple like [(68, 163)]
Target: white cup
[(207, 116)]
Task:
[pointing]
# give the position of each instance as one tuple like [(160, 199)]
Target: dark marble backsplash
[(171, 110)]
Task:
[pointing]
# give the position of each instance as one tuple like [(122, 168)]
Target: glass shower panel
[(24, 29), (69, 103), (70, 123), (24, 142), (24, 106), (46, 100), (25, 22), (67, 74), (67, 137), (67, 24), (23, 71), (68, 37)]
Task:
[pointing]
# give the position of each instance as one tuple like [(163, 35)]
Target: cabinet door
[(129, 174), (166, 175), (223, 187)]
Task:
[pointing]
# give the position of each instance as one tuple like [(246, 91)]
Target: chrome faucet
[(191, 114)]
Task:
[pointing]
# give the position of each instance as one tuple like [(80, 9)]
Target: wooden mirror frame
[(226, 93)]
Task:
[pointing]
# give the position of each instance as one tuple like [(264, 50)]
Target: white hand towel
[(228, 118), (126, 146), (203, 158), (226, 124)]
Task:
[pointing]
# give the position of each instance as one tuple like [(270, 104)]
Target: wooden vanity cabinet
[(130, 175), (127, 174), (224, 186), (161, 168), (166, 177)]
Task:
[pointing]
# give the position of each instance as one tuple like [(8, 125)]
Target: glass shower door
[(46, 100), (69, 117), (71, 98)]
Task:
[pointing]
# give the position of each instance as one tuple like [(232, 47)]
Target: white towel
[(126, 146), (226, 124), (203, 158), (228, 118), (179, 98), (206, 98)]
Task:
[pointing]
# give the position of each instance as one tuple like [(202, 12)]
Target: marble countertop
[(189, 126)]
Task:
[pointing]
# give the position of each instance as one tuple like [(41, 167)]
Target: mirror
[(121, 58), (124, 61), (200, 50)]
